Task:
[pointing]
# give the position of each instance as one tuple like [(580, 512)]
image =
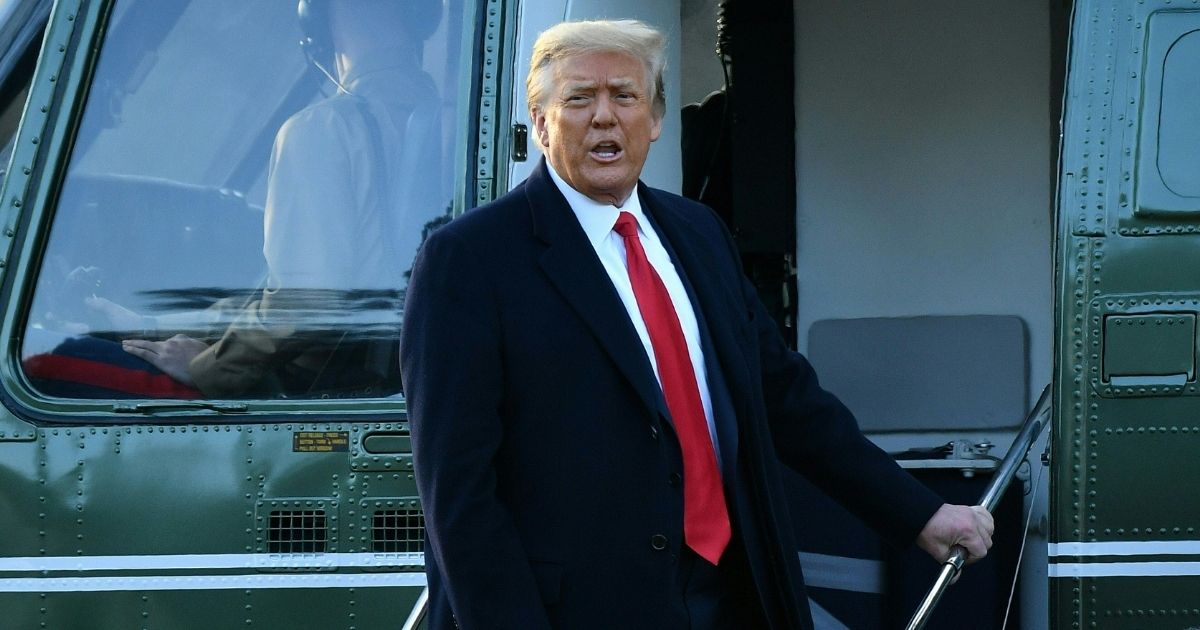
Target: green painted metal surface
[(169, 610), (144, 493), (1126, 521), (1142, 347), (277, 514), (29, 155), (495, 105)]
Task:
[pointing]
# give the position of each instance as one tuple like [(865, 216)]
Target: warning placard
[(320, 441)]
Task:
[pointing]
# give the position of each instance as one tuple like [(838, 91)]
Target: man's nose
[(604, 115)]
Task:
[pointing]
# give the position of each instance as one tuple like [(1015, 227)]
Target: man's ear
[(538, 117), (656, 128)]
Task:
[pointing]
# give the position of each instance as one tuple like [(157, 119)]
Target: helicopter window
[(245, 195), (1167, 182)]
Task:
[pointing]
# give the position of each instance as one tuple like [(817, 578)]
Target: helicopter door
[(1124, 545)]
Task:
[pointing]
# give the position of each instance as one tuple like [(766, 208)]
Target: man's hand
[(957, 525), (171, 356)]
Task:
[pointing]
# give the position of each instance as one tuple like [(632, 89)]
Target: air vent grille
[(297, 531), (398, 531)]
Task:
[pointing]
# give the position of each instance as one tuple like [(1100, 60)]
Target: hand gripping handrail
[(1034, 423)]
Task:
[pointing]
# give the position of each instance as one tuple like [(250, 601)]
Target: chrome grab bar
[(418, 611), (1034, 423)]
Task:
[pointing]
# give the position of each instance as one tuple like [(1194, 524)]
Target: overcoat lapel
[(572, 266), (716, 293), (715, 300)]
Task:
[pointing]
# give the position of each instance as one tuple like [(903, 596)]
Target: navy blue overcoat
[(544, 454)]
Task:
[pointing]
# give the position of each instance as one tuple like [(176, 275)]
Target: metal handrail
[(1034, 423), (418, 611)]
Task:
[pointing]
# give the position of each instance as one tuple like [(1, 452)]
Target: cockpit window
[(245, 196)]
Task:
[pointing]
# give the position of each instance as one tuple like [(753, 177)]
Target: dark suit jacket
[(544, 453)]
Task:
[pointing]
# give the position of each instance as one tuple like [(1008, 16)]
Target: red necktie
[(705, 517)]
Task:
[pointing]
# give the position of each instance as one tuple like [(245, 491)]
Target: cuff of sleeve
[(923, 505)]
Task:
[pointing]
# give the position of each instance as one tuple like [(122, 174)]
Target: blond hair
[(571, 39)]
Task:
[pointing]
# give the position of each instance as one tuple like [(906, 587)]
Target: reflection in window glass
[(241, 212), (20, 36)]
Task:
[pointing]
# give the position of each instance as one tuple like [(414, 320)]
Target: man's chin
[(610, 193), (609, 181)]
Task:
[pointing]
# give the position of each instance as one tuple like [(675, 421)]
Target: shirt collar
[(597, 219)]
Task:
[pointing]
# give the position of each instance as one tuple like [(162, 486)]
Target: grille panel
[(398, 531), (297, 531)]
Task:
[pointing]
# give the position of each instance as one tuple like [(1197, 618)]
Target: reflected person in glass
[(349, 177)]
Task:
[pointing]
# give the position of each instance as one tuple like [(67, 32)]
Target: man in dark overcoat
[(599, 403)]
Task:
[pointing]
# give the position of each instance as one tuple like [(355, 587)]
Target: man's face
[(597, 123)]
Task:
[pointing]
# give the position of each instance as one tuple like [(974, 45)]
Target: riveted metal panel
[(1146, 346), (14, 429), (1156, 338), (368, 608), (1127, 404), (153, 499), (1162, 85), (1132, 495), (363, 459), (1092, 112), (495, 67), (364, 608), (393, 527), (1139, 603), (149, 518), (300, 525), (52, 63), (30, 144)]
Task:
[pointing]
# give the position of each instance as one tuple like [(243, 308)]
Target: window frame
[(75, 37)]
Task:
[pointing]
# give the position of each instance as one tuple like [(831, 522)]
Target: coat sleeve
[(816, 435), (452, 369)]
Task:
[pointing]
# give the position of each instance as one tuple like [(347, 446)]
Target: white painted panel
[(924, 176), (924, 162), (662, 168)]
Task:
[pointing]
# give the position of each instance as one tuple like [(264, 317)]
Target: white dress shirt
[(597, 220)]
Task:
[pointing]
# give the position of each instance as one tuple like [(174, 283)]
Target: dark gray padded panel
[(925, 373)]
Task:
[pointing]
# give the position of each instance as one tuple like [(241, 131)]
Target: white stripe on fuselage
[(1123, 569), (1123, 560), (1121, 548), (208, 582), (196, 562), (213, 561)]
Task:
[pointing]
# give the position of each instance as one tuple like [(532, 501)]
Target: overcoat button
[(658, 542), (653, 432), (674, 479)]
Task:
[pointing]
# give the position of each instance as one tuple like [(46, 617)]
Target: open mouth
[(606, 151)]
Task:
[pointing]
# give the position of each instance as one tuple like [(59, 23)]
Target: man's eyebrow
[(622, 83), (575, 86)]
